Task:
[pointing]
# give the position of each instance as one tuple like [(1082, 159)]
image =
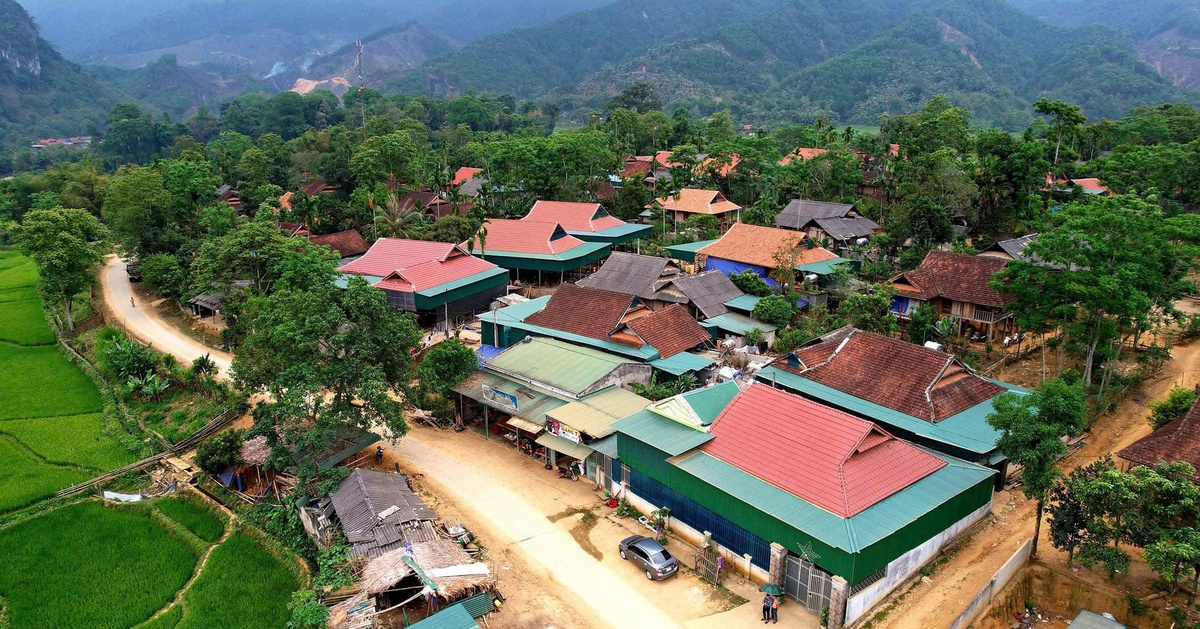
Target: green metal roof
[(563, 446), (745, 303), (568, 260), (532, 404), (555, 365), (682, 363), (431, 298), (514, 317), (615, 235), (967, 430), (707, 403), (824, 267), (665, 434), (849, 534), (606, 446), (739, 324), (479, 604), (453, 617), (687, 252), (1089, 620)]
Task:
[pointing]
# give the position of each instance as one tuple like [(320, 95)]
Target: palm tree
[(400, 220)]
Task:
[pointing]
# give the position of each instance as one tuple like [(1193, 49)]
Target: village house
[(737, 327), (923, 395), (589, 222), (834, 506), (657, 284), (347, 244), (312, 189), (534, 251), (616, 323), (438, 281), (956, 285), (692, 202), (555, 400), (1012, 249), (1178, 441), (839, 222), (762, 249)]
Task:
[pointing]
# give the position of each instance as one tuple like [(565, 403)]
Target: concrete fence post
[(778, 564)]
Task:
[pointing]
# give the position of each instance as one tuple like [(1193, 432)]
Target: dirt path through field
[(955, 584)]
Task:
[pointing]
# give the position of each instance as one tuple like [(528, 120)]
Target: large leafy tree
[(254, 252), (871, 312), (331, 359), (144, 214), (60, 241), (1104, 264), (1064, 120), (394, 157), (1031, 428)]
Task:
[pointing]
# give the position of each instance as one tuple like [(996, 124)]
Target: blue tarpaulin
[(486, 352), (729, 267), (229, 478)]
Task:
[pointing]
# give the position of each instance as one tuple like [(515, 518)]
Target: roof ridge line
[(929, 389)]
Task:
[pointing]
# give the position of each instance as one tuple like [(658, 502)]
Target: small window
[(663, 556)]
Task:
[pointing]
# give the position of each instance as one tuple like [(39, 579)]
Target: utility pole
[(362, 105)]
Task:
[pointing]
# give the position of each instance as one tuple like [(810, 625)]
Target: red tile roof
[(589, 312), (693, 201), (751, 244), (831, 459), (347, 243), (416, 265), (1091, 184), (670, 331), (914, 380), (954, 276), (465, 174), (575, 217), (525, 236), (1177, 441), (802, 154), (722, 167), (663, 159)]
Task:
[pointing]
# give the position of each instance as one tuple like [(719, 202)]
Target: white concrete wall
[(904, 566), (733, 561)]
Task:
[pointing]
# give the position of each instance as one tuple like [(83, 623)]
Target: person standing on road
[(775, 609), (766, 607), (131, 302)]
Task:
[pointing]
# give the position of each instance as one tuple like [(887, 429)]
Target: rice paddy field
[(199, 518), (243, 586), (88, 565), (51, 431)]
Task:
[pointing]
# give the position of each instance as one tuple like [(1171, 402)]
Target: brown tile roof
[(347, 243), (316, 187), (589, 312), (914, 380), (693, 201), (751, 244), (635, 166), (670, 331), (954, 276), (1177, 441)]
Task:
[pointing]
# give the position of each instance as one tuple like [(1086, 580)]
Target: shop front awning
[(606, 446), (564, 446), (509, 397), (524, 424)]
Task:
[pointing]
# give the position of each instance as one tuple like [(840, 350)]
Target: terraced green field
[(88, 565), (51, 431), (242, 587)]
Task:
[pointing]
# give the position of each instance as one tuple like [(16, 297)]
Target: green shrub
[(1178, 401), (751, 283), (776, 310), (221, 451)]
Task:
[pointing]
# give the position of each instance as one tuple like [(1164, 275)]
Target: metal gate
[(710, 566), (808, 584)]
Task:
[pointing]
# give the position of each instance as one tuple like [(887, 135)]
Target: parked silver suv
[(648, 555)]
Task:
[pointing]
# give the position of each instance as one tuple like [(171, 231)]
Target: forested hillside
[(536, 61), (41, 93)]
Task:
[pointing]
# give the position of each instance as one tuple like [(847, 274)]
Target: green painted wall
[(852, 567)]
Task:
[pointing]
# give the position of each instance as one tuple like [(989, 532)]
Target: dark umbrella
[(771, 589)]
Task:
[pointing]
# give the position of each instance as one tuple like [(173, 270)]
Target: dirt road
[(955, 583), (139, 320)]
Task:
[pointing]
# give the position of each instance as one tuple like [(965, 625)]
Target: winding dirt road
[(140, 321)]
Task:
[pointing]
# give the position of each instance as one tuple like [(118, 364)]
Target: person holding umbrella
[(770, 602)]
